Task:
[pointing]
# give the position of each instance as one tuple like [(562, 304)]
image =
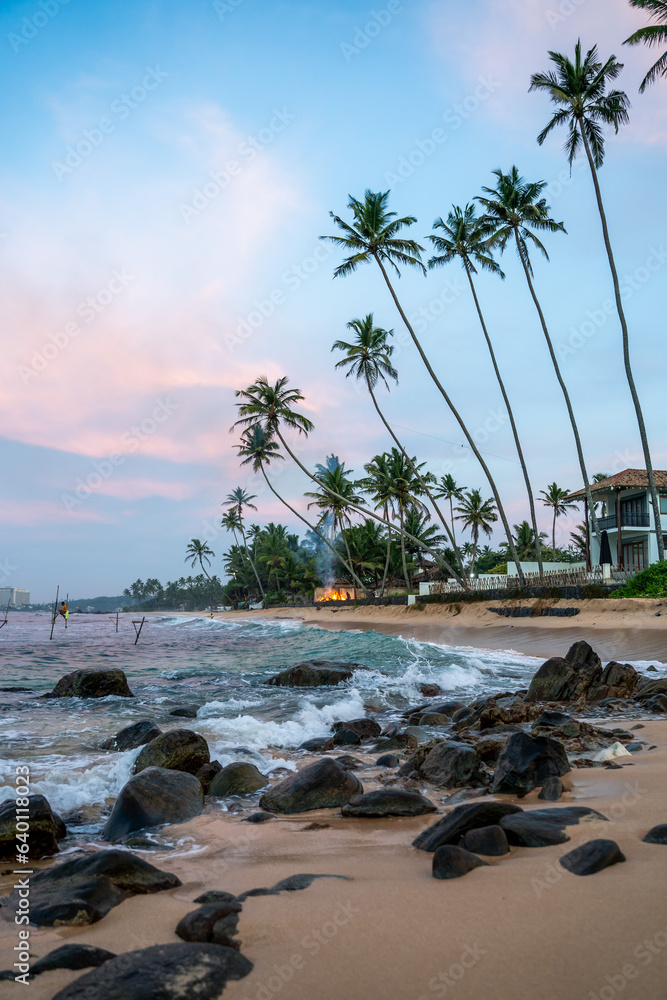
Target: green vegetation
[(651, 582)]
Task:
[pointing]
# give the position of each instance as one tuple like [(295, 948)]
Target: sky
[(166, 172)]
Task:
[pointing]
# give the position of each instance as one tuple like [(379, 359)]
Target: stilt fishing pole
[(112, 618), (138, 630), (6, 618), (55, 612)]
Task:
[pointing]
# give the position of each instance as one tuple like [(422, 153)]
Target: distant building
[(15, 596), (627, 517)]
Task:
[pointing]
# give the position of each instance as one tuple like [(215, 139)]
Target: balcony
[(628, 520)]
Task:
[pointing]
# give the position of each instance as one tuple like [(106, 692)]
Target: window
[(663, 504)]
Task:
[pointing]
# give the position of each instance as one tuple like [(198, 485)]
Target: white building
[(626, 515), (13, 595)]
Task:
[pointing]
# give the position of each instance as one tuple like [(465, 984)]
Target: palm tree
[(273, 556), (257, 448), (579, 90), (237, 500), (554, 497), (513, 210), (524, 538), (653, 34), (335, 499), (477, 515), (580, 539), (369, 359), (466, 238), (405, 490), (198, 552), (374, 236), (417, 522), (378, 484), (449, 490)]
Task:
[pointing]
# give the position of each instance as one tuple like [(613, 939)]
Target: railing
[(559, 578), (628, 520)]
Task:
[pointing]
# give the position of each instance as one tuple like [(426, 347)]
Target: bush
[(593, 590), (499, 570), (651, 582)]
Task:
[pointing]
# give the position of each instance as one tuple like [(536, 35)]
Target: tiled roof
[(628, 479)]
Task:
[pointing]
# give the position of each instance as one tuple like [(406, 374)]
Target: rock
[(322, 785), (84, 888), (402, 741), (315, 826), (388, 802), (387, 760), (177, 750), (185, 711), (656, 835), (447, 708), (560, 722), (346, 737), (567, 678), (657, 704), (162, 972), (318, 744), (257, 817), (314, 673), (215, 896), (46, 828), (542, 827), (469, 816), (366, 729), (293, 883), (216, 922), (526, 762), (552, 789), (350, 763), (237, 779), (450, 861), (592, 857), (72, 956), (207, 773), (91, 683), (452, 765), (462, 714), (433, 719), (488, 840), (132, 736), (618, 680), (390, 731), (652, 688), (153, 797), (491, 743), (430, 690)]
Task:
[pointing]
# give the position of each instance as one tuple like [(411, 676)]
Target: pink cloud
[(32, 512)]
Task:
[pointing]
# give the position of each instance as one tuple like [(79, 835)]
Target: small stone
[(258, 817), (216, 923), (552, 789), (350, 763), (433, 719), (237, 778), (656, 835), (592, 857), (207, 773), (387, 760), (185, 711), (215, 896), (366, 729), (450, 861), (316, 826), (319, 744), (430, 690), (136, 735), (388, 802), (488, 840)]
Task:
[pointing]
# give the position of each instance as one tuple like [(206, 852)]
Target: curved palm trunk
[(254, 568), (566, 395), (457, 415), (626, 352), (517, 442), (553, 538), (386, 562), (315, 531), (423, 485), (347, 549), (202, 566), (475, 543), (403, 559)]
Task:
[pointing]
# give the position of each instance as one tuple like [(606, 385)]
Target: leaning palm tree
[(653, 34), (198, 552), (477, 515), (579, 90), (466, 239), (258, 449), (513, 209), (236, 501), (555, 497), (369, 359), (448, 489), (374, 236)]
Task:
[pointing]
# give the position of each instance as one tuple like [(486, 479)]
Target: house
[(625, 511)]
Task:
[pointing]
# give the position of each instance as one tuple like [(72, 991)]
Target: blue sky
[(134, 281)]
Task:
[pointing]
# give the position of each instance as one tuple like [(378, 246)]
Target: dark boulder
[(447, 708), (452, 765), (185, 711), (216, 922), (153, 797), (215, 896), (237, 779), (387, 760), (430, 690), (322, 785), (488, 840), (257, 817), (558, 722), (46, 828), (72, 956), (350, 763), (366, 729), (294, 883), (346, 737), (84, 888), (162, 972), (567, 678), (318, 744), (388, 802), (91, 683), (456, 824), (592, 857), (462, 714), (433, 719), (450, 861), (552, 789), (207, 773), (542, 827), (132, 736), (177, 750), (656, 835), (652, 688), (314, 673), (526, 762), (618, 680), (401, 741)]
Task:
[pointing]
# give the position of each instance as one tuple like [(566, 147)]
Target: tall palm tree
[(653, 34), (258, 449), (369, 359), (237, 500), (448, 489), (198, 551), (406, 490), (476, 515), (524, 538), (513, 210), (579, 90), (466, 239), (374, 236), (554, 497), (378, 484), (335, 499)]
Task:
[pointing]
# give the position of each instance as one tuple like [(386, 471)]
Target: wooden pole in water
[(6, 618), (111, 619), (55, 612), (138, 630), (67, 606)]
